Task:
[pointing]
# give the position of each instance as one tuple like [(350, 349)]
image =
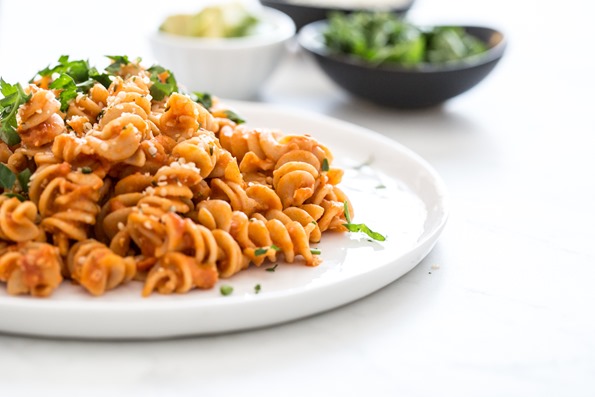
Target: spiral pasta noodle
[(31, 268), (67, 202), (18, 220), (296, 167), (84, 110), (40, 121), (126, 179), (97, 268), (256, 236)]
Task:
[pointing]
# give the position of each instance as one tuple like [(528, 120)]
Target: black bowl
[(305, 14), (397, 86)]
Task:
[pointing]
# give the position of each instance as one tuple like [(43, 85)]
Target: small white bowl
[(234, 68)]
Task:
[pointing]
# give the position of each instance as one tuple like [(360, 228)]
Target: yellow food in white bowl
[(232, 67), (225, 20)]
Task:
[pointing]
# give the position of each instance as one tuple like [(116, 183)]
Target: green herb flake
[(261, 251), (362, 228), (68, 90), (7, 177), (257, 288), (117, 62), (226, 290), (346, 211), (203, 98), (23, 177), (264, 250), (160, 89), (233, 116), (380, 186), (14, 97), (359, 227), (15, 195), (325, 166), (75, 76), (78, 69), (86, 170), (315, 251), (272, 268), (102, 78)]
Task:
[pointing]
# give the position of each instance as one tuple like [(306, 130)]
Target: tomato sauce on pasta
[(171, 192)]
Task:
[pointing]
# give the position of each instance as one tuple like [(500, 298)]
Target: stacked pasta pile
[(123, 178)]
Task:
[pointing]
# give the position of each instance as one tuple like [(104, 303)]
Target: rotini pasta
[(31, 268), (18, 220), (123, 178), (97, 268)]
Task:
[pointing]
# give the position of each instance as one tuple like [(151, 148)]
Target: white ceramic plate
[(393, 191)]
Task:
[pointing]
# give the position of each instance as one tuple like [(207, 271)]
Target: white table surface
[(503, 305)]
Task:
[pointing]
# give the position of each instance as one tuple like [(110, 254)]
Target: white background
[(502, 306)]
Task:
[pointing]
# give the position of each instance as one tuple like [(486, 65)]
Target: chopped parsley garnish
[(260, 251), (315, 251), (362, 228), (226, 290), (346, 212), (76, 76), (117, 62), (68, 90), (233, 116), (71, 77), (164, 82), (325, 167), (257, 288), (203, 98), (383, 38), (101, 78), (78, 70), (14, 96), (86, 170), (7, 177), (23, 178), (359, 227), (264, 250), (16, 195), (272, 268), (380, 186)]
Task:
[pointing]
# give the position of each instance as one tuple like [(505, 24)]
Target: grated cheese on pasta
[(127, 188)]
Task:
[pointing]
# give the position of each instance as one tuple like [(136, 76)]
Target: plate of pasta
[(132, 209)]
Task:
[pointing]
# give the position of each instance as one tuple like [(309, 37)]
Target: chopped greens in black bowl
[(384, 38), (381, 57)]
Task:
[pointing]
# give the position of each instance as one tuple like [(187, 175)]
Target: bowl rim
[(283, 29), (407, 4), (310, 35)]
